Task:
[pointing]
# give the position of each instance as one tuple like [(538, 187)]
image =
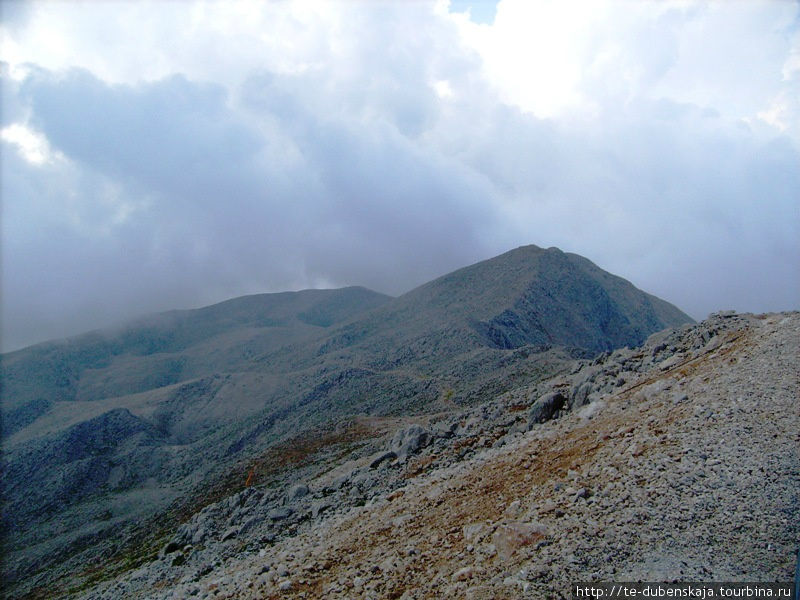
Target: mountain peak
[(181, 400)]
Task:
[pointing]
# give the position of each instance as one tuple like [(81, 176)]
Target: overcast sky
[(173, 154)]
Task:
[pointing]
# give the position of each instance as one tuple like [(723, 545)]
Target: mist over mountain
[(176, 346), (111, 429)]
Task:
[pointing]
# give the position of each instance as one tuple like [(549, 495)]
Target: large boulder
[(546, 407), (510, 537), (296, 492), (409, 441)]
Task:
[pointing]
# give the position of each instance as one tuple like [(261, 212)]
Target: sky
[(161, 155)]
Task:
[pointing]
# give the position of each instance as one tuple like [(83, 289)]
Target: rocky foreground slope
[(678, 460)]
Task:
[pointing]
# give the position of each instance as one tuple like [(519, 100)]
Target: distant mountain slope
[(528, 296), (192, 394), (168, 348)]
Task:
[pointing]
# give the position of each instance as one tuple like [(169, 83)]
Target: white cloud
[(533, 53), (443, 89), (568, 59), (31, 145)]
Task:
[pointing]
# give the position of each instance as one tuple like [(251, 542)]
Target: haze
[(170, 155)]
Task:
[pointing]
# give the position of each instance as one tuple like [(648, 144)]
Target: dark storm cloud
[(172, 136), (380, 199), (216, 207)]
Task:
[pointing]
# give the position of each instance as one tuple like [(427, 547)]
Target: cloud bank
[(165, 155)]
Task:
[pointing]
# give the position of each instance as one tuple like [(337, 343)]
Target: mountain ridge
[(196, 395), (160, 333)]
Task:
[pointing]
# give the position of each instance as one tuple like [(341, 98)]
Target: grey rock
[(580, 395), (366, 480), (470, 427), (200, 535), (546, 407), (679, 397), (519, 426), (671, 362), (410, 441), (281, 513), (170, 547), (446, 429), (248, 525), (320, 507), (178, 560), (203, 570), (380, 458), (339, 482), (253, 498), (297, 491), (268, 538)]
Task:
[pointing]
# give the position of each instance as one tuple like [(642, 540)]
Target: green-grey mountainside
[(109, 430)]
